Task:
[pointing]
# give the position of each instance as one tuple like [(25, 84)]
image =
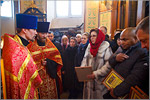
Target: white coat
[(100, 67)]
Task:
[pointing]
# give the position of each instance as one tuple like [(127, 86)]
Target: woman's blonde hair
[(86, 34)]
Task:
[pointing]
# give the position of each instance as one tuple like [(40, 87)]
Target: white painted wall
[(65, 22), (7, 25)]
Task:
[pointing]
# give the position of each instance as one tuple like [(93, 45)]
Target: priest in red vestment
[(21, 74), (49, 62)]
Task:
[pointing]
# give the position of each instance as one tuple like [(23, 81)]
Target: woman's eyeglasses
[(93, 35)]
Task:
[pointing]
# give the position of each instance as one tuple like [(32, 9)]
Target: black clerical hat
[(43, 27)]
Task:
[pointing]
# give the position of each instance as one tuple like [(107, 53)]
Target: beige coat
[(100, 67)]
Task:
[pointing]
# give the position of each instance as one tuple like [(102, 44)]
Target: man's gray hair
[(104, 28)]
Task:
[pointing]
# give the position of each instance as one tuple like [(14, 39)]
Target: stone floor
[(65, 95)]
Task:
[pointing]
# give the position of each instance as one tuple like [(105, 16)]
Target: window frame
[(69, 11), (12, 10)]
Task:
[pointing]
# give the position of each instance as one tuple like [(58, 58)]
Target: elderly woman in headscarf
[(64, 42), (64, 45), (69, 71), (97, 54), (78, 38)]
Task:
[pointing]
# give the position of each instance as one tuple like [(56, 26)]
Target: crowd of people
[(39, 67)]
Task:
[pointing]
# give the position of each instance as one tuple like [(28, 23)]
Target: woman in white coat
[(96, 55)]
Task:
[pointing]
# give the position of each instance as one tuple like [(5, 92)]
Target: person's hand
[(121, 57), (92, 76), (43, 62), (112, 93)]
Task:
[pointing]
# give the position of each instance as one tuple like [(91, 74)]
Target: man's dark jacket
[(135, 70)]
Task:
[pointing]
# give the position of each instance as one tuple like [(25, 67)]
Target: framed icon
[(112, 79), (137, 93)]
